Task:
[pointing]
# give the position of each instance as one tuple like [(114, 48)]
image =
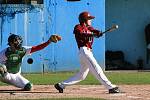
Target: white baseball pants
[(14, 79), (88, 63)]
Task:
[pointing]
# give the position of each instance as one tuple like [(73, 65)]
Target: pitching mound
[(130, 92)]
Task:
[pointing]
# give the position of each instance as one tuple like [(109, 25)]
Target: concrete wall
[(132, 16)]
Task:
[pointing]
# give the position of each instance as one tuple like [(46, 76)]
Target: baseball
[(116, 26)]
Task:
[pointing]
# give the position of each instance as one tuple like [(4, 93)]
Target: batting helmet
[(13, 38), (85, 16)]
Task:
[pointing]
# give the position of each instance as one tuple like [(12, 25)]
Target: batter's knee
[(82, 77), (28, 87)]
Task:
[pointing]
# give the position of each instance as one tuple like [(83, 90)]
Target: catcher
[(84, 35), (11, 59)]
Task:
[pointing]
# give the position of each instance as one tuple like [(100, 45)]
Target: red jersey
[(84, 35)]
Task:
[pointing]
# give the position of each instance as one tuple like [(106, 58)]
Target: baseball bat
[(114, 27)]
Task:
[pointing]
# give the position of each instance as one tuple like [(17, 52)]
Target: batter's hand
[(55, 38), (98, 34)]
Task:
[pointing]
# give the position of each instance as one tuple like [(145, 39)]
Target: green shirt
[(14, 59)]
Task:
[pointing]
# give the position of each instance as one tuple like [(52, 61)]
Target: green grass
[(114, 77), (129, 77)]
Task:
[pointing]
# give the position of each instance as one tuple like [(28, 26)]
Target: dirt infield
[(132, 92)]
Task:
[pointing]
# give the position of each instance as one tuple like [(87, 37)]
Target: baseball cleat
[(114, 90), (58, 88), (28, 87)]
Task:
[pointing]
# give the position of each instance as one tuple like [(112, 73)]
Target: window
[(21, 1), (73, 0)]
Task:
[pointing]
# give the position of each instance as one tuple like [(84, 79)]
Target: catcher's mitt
[(55, 38)]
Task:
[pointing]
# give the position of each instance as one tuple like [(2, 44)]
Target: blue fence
[(39, 21)]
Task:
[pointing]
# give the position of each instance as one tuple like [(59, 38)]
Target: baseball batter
[(84, 35), (11, 59)]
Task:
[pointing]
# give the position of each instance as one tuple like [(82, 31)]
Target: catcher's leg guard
[(3, 70), (28, 87)]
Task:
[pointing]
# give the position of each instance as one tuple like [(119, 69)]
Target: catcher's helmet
[(13, 38), (85, 16)]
